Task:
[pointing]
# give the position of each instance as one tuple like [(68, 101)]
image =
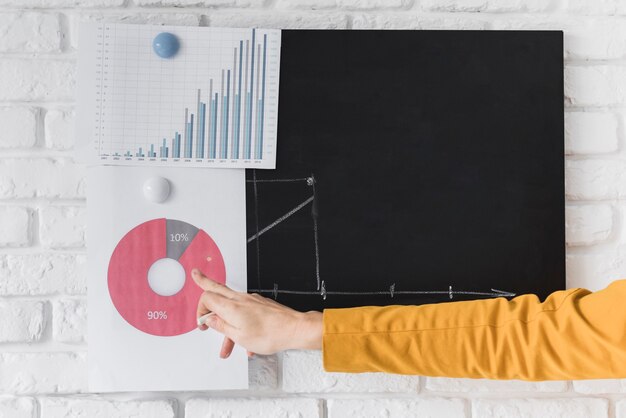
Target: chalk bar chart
[(215, 103)]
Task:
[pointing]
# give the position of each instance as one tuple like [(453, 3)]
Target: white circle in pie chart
[(166, 277), (156, 189)]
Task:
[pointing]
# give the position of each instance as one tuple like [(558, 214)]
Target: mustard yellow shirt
[(573, 334)]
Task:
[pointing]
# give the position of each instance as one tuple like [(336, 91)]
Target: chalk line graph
[(321, 288)]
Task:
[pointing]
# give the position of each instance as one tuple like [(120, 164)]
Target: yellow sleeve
[(573, 334)]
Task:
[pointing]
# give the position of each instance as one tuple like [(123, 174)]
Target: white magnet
[(156, 189)]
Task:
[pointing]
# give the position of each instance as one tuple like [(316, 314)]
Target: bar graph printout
[(214, 104)]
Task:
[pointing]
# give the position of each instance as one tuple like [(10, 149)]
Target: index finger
[(212, 286)]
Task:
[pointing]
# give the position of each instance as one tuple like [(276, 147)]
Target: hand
[(258, 324)]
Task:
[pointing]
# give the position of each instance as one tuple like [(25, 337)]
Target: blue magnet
[(165, 45)]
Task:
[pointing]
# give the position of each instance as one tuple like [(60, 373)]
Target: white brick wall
[(43, 362)]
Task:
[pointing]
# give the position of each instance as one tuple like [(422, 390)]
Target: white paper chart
[(213, 104), (142, 300)]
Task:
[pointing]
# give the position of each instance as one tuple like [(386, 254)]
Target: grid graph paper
[(215, 103)]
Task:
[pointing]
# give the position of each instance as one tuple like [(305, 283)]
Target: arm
[(573, 334)]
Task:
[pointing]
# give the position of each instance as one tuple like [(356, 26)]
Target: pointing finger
[(212, 286)]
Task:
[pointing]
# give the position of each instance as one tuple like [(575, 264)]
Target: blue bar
[(237, 113), (185, 144), (211, 124), (250, 98), (236, 104), (257, 143), (190, 138), (226, 114), (201, 124), (176, 145), (186, 132), (199, 118), (262, 102), (214, 132), (248, 124), (210, 130), (221, 153)]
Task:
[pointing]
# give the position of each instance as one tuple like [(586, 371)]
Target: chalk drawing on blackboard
[(321, 289)]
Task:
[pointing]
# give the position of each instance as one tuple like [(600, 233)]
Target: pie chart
[(149, 275)]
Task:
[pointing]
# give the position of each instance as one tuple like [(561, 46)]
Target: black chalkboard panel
[(413, 167)]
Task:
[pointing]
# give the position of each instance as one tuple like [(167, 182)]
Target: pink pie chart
[(149, 275)]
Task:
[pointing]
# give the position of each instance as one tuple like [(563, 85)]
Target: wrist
[(309, 331)]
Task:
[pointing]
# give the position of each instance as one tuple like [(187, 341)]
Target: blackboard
[(412, 167)]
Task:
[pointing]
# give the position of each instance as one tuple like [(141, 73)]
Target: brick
[(597, 270), (151, 18), (486, 5), (396, 408), (59, 129), (417, 21), (19, 127), (21, 320), (598, 85), (13, 407), (595, 179), (597, 38), (42, 274), (319, 20), (263, 372), (15, 226), (59, 407), (597, 386), (620, 409), (303, 372), (29, 32), (343, 4), (444, 384), (62, 3), (267, 407), (587, 224), (41, 177), (183, 3), (54, 372), (597, 7), (583, 37), (36, 79), (208, 3), (62, 226), (590, 133), (69, 320), (554, 408)]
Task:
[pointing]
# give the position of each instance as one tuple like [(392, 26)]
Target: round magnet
[(156, 189), (165, 45)]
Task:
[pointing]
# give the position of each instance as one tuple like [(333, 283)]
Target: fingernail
[(194, 271)]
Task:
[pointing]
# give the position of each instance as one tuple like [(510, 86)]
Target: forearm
[(573, 334)]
